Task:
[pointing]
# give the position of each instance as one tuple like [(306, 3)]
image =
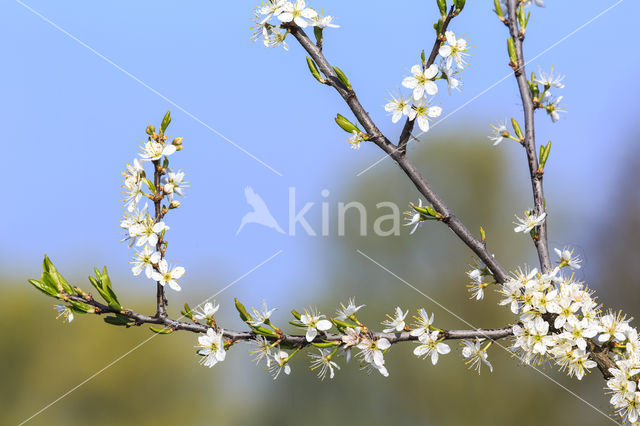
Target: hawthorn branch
[(287, 339), (376, 136), (540, 240)]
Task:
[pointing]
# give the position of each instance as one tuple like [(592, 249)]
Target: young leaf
[(165, 122)]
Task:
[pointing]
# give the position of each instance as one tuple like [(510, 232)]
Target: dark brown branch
[(379, 139), (529, 143)]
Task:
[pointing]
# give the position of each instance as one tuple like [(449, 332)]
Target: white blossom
[(207, 311), (164, 275), (314, 323), (499, 132), (396, 322), (422, 324), (549, 80), (431, 346), (64, 312), (154, 150), (421, 82), (398, 107), (281, 363), (568, 259), (345, 312), (475, 355), (212, 347), (323, 362), (529, 222), (423, 112), (261, 317), (371, 351), (145, 260), (299, 13), (455, 49)]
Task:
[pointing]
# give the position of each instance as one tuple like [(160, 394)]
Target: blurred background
[(72, 117)]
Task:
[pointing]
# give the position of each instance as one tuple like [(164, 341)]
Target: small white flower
[(355, 139), (164, 275), (281, 363), (321, 21), (298, 13), (212, 345), (152, 150), (499, 132), (371, 350), (207, 311), (475, 355), (263, 350), (273, 36), (398, 107), (322, 360), (554, 109), (314, 323), (549, 80), (269, 9), (261, 316), (455, 49), (345, 312), (568, 259), (423, 112), (529, 222), (173, 182), (422, 81), (145, 260), (431, 346), (148, 232), (414, 218), (613, 326), (64, 312), (396, 322), (449, 74), (423, 323)]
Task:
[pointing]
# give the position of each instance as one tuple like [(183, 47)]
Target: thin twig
[(540, 238)]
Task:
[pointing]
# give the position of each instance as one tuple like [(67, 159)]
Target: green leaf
[(324, 344), (244, 315), (119, 320), (80, 307), (442, 6), (296, 314), (511, 48), (162, 330), (43, 288), (165, 122)]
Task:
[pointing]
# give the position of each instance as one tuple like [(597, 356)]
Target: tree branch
[(349, 95), (287, 339), (529, 144)]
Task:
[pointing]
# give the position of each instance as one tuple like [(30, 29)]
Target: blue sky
[(71, 119)]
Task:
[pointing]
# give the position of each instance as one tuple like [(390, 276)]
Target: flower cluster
[(422, 83), (561, 321), (271, 15), (144, 231)]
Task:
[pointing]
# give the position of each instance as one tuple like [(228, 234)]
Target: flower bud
[(177, 141), (151, 129), (516, 128), (511, 48), (346, 125), (174, 204), (343, 78)]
